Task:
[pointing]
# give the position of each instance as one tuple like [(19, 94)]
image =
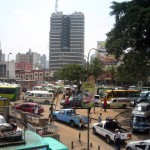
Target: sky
[(25, 24)]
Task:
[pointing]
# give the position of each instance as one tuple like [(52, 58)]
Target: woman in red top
[(105, 105)]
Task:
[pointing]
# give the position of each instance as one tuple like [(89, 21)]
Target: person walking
[(117, 139), (100, 118), (36, 110), (50, 117), (105, 105)]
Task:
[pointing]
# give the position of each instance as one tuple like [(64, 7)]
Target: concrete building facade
[(66, 40)]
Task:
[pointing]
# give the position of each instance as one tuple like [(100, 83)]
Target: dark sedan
[(29, 107), (139, 123), (73, 102)]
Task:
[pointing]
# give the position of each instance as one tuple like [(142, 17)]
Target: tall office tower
[(66, 42)]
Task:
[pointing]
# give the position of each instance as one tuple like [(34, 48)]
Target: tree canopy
[(71, 72), (96, 68), (129, 39)]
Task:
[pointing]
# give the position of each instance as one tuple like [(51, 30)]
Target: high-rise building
[(66, 42)]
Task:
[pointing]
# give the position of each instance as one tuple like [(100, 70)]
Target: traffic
[(120, 121)]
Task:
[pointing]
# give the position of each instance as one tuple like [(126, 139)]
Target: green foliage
[(96, 68), (131, 30), (113, 71), (71, 72)]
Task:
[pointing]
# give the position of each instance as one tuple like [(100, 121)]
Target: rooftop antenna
[(56, 6)]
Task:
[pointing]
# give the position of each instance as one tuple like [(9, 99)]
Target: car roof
[(30, 103), (1, 116), (143, 104)]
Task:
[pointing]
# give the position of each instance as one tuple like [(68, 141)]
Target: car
[(138, 145), (73, 101), (4, 126), (142, 109), (139, 123), (28, 107), (97, 100)]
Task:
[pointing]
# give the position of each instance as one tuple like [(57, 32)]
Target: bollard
[(91, 144), (98, 147), (79, 137), (72, 145)]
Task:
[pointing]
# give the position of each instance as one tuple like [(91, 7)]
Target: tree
[(131, 32), (71, 72), (96, 68), (112, 70)]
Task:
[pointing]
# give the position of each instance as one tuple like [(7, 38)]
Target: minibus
[(43, 97)]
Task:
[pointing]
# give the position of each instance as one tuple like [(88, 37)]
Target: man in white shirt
[(118, 139)]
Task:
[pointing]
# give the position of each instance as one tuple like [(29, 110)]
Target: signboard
[(88, 91)]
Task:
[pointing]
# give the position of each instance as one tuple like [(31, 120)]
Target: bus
[(10, 91), (132, 95)]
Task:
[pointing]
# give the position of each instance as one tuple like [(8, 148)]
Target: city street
[(70, 136)]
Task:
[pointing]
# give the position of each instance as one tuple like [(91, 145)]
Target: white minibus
[(44, 97)]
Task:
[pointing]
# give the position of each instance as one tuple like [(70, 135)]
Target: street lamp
[(8, 68), (88, 110), (101, 51)]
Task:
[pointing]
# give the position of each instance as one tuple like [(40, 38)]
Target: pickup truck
[(106, 128), (70, 116)]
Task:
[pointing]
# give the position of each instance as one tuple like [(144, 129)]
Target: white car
[(4, 126), (138, 145)]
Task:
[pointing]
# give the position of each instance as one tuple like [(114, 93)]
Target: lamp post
[(8, 68), (88, 110)]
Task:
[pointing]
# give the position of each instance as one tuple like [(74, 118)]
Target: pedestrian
[(36, 110), (105, 105), (50, 117), (100, 118), (67, 101), (117, 139)]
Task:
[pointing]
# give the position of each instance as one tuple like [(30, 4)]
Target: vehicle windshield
[(142, 95), (2, 120), (140, 108), (139, 119)]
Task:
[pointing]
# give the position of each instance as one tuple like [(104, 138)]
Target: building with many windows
[(66, 40)]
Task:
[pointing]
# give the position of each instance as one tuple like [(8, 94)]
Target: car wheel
[(96, 104), (54, 117), (108, 140), (46, 102), (31, 101), (94, 131), (124, 106), (72, 124), (128, 148)]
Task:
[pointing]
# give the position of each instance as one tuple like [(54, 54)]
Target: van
[(44, 97), (66, 90), (37, 88), (118, 103)]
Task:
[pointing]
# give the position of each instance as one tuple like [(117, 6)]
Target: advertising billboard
[(88, 91)]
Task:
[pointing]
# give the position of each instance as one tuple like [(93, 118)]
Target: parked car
[(97, 100), (4, 126), (29, 107), (70, 116), (142, 109), (139, 123), (138, 145), (144, 97), (73, 101)]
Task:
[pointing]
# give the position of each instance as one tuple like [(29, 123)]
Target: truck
[(107, 128), (70, 116)]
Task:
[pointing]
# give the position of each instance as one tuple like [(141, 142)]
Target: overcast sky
[(25, 24)]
